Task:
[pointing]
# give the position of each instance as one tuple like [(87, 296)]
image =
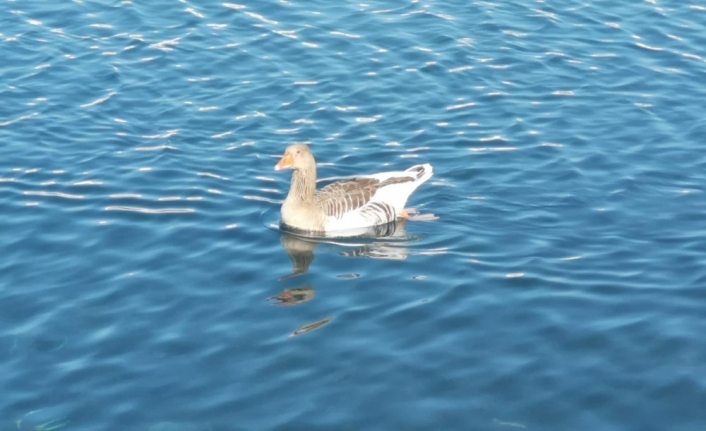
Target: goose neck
[(303, 185)]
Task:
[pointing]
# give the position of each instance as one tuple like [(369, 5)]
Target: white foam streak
[(348, 35), (648, 47), (290, 34), (53, 194), (222, 135), (460, 106), (99, 101), (194, 12), (208, 174), (261, 199), (493, 138), (125, 196), (22, 118), (88, 183), (287, 131), (543, 14), (156, 148), (260, 18), (166, 45), (692, 56), (434, 251), (151, 211), (233, 6), (368, 119), (165, 135), (483, 149)]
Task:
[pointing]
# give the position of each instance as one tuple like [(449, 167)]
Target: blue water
[(143, 285)]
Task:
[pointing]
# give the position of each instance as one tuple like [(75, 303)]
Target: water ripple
[(141, 248)]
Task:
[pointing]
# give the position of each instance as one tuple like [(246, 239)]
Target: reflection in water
[(301, 253), (378, 242), (383, 230), (378, 251), (311, 326), (294, 296), (301, 249)]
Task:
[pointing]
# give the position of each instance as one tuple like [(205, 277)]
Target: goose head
[(295, 157)]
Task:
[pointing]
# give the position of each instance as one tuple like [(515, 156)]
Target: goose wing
[(356, 196), (341, 197)]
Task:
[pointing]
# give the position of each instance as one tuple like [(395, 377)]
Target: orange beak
[(284, 163)]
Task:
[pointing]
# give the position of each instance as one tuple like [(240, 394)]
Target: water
[(143, 287)]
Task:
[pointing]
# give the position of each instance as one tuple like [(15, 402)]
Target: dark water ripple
[(143, 285)]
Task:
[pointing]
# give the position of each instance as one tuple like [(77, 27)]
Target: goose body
[(354, 203)]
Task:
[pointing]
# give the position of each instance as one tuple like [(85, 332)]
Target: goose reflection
[(293, 296), (301, 252), (377, 242)]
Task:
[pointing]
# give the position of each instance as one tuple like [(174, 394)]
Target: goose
[(354, 203)]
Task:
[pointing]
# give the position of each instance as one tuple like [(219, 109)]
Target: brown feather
[(346, 195)]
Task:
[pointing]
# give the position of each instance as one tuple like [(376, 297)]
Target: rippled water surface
[(144, 287)]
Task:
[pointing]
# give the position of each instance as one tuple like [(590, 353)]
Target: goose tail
[(422, 172)]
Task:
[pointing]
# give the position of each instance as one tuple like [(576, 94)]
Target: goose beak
[(284, 163)]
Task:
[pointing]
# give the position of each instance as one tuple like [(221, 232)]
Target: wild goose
[(354, 203)]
